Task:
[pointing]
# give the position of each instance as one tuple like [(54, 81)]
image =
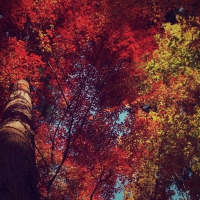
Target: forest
[(99, 97)]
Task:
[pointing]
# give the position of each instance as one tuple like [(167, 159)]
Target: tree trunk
[(17, 157)]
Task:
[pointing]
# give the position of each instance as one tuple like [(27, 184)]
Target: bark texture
[(17, 156)]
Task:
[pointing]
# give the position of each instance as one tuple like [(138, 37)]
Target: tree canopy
[(89, 62)]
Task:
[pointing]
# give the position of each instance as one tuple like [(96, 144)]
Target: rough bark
[(17, 157)]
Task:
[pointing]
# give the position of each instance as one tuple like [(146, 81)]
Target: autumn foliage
[(91, 62)]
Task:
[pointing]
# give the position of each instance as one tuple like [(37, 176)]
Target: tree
[(17, 158), (168, 136), (70, 62)]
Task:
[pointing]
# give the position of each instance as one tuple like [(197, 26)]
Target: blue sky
[(119, 196), (121, 119)]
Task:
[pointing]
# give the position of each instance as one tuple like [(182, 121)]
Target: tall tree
[(18, 179)]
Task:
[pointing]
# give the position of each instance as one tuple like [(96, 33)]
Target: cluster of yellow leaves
[(45, 45), (174, 55)]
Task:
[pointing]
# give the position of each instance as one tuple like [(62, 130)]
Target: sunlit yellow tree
[(169, 132)]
